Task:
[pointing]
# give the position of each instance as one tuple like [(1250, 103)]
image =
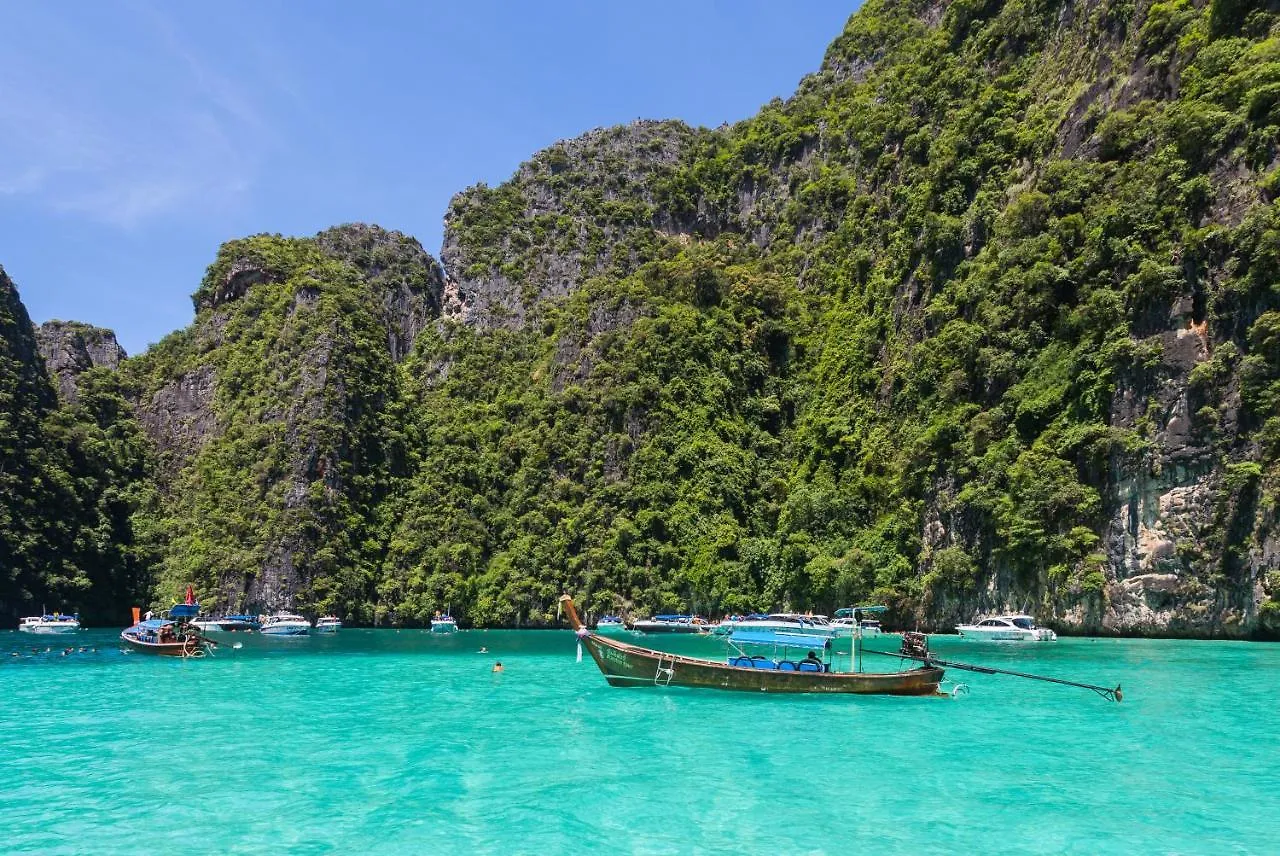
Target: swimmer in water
[(484, 650), (497, 667)]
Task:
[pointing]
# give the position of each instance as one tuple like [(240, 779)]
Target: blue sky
[(135, 137)]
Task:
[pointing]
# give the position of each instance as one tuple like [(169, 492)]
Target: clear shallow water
[(401, 742)]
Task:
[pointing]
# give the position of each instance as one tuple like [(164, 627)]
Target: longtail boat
[(625, 665), (175, 636)]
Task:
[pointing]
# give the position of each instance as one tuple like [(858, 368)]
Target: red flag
[(191, 596)]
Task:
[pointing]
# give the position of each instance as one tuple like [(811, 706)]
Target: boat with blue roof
[(625, 665), (172, 636), (55, 622), (672, 624), (611, 624)]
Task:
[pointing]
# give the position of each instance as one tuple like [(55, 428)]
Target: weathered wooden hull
[(164, 649), (626, 665)]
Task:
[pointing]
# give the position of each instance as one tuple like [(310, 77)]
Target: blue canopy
[(240, 618), (153, 623), (184, 610), (672, 617)]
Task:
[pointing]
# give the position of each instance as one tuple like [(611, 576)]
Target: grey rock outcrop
[(580, 208), (408, 282), (70, 348)]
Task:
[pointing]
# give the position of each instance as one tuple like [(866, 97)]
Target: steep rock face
[(1028, 361), (583, 207), (71, 348), (271, 414), (405, 278)]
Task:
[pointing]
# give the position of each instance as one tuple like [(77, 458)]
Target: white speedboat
[(227, 624), (672, 624), (55, 623), (787, 623), (328, 624), (844, 627), (444, 624), (852, 618), (1007, 628), (611, 625), (286, 624)]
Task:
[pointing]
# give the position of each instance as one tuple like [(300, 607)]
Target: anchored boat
[(228, 624), (1007, 628), (856, 618), (625, 665), (328, 624), (286, 624), (611, 624), (444, 624), (55, 623), (175, 636), (672, 624)]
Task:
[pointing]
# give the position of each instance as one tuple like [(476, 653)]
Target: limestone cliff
[(71, 348)]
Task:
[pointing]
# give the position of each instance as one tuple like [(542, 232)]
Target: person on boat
[(147, 617), (497, 667), (813, 658)]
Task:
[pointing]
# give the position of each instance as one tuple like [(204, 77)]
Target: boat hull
[(164, 649), (983, 634), (50, 629), (664, 627), (626, 665), (285, 631)]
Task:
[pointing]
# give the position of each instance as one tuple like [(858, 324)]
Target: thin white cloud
[(75, 142)]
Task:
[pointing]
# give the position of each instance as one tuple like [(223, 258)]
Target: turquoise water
[(401, 742)]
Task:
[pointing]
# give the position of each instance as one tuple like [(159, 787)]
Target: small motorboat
[(54, 623), (239, 623), (858, 617), (780, 622), (444, 624), (328, 624), (1006, 628), (286, 624), (611, 624), (672, 624)]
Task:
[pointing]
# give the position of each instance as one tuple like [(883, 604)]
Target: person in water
[(484, 650), (497, 667)]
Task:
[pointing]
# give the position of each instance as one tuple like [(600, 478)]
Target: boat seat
[(756, 662), (811, 667)]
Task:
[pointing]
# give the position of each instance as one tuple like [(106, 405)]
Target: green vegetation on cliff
[(74, 482), (987, 315)]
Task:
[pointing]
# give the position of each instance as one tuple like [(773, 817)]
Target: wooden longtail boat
[(174, 636), (627, 665)]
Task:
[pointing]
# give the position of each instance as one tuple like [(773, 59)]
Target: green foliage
[(941, 289), (73, 480)]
